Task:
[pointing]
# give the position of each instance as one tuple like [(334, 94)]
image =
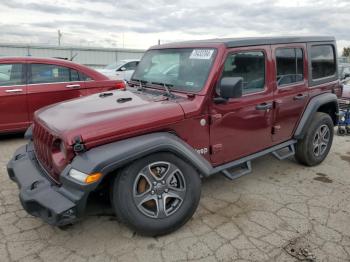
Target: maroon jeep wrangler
[(191, 110)]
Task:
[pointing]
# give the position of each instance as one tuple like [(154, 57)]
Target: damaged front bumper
[(56, 204)]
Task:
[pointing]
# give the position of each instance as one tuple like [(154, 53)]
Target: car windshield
[(182, 69), (114, 65)]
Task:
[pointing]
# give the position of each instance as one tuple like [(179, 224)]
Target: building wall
[(94, 57)]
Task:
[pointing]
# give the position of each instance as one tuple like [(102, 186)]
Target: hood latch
[(78, 145)]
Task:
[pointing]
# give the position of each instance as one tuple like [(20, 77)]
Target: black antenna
[(73, 56)]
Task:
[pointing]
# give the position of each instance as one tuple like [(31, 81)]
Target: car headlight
[(83, 177)]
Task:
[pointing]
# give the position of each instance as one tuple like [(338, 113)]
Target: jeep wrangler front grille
[(42, 144)]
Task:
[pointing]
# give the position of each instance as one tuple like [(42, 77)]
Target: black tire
[(146, 218), (306, 151), (348, 130), (341, 131)]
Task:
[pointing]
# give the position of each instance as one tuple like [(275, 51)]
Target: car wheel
[(315, 146), (348, 130), (157, 194), (341, 131)]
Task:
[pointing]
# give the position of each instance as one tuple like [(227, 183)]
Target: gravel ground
[(281, 212)]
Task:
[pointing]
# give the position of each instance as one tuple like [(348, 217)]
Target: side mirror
[(231, 87), (122, 69)]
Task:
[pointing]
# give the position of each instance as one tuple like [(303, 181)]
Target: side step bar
[(243, 166), (281, 154), (244, 169)]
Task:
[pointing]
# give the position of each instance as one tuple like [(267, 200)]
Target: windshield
[(184, 69), (114, 65)]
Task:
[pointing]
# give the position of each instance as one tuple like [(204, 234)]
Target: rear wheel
[(157, 194), (315, 146)]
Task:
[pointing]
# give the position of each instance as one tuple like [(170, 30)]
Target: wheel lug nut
[(159, 196), (163, 182), (152, 192), (154, 183), (166, 190)]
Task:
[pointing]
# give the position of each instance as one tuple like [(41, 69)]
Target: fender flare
[(109, 157), (314, 104)]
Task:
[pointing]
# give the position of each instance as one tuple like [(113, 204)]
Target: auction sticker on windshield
[(201, 54)]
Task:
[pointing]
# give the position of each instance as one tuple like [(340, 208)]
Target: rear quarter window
[(323, 61)]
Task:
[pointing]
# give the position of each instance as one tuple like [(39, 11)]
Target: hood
[(100, 119)]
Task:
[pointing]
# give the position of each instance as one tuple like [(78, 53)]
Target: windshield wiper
[(166, 87), (141, 83)]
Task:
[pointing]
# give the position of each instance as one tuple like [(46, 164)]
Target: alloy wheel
[(159, 189), (321, 140)]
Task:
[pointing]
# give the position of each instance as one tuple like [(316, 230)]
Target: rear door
[(291, 91), (50, 83), (13, 100)]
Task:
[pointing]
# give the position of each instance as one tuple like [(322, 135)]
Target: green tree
[(346, 51)]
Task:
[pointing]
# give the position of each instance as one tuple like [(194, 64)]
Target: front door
[(13, 101), (291, 89), (49, 84), (242, 126)]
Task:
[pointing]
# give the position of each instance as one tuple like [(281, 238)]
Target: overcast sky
[(139, 24)]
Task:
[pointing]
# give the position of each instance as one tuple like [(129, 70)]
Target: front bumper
[(40, 197)]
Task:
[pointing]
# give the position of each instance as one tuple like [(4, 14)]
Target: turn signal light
[(93, 178), (84, 178)]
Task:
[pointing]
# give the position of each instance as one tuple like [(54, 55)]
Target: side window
[(322, 61), (84, 77), (248, 65), (290, 66), (11, 74), (131, 65), (45, 73), (74, 75)]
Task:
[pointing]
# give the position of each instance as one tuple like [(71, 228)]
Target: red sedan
[(27, 84)]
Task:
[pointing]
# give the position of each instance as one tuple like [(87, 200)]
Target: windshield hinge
[(78, 145)]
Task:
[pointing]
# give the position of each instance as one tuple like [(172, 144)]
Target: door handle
[(264, 106), (72, 86), (14, 90), (300, 97)]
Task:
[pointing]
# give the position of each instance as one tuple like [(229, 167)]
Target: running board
[(281, 154), (241, 170), (243, 166)]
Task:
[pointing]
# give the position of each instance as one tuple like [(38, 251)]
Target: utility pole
[(59, 37)]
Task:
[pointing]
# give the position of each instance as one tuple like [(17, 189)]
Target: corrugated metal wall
[(94, 57)]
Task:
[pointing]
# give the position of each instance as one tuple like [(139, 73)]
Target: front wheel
[(157, 194), (315, 146)]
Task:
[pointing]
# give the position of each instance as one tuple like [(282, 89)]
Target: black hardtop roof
[(252, 41)]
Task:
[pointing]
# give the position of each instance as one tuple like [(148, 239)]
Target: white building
[(90, 56)]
